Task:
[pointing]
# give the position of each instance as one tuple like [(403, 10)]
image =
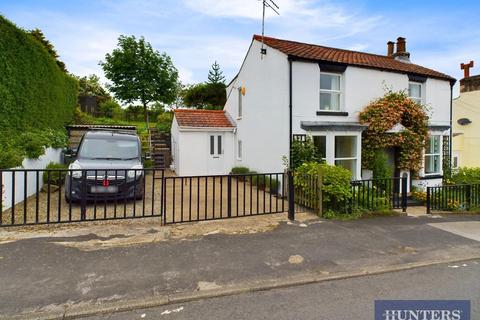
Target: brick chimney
[(390, 48), (469, 83), (402, 54)]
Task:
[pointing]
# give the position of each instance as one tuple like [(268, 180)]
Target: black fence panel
[(453, 197), (54, 196), (379, 194), (199, 198)]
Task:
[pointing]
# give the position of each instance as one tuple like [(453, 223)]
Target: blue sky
[(440, 34)]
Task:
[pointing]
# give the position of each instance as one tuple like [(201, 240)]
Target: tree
[(140, 73), (40, 37), (215, 75), (90, 86), (205, 96)]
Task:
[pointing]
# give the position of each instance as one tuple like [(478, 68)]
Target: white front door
[(215, 153)]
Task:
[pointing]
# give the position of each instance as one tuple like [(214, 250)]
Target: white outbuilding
[(202, 142)]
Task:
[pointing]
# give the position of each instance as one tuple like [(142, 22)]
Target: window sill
[(332, 113), (432, 176), (239, 118)]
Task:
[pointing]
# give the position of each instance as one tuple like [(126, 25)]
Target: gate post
[(83, 205), (429, 206), (468, 196), (229, 196), (404, 194), (291, 196)]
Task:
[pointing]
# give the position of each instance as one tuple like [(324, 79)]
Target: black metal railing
[(199, 198), (52, 196), (453, 197), (379, 194), (368, 194)]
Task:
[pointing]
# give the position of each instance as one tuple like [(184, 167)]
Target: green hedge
[(36, 96)]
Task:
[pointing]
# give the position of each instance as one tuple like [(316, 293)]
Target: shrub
[(57, 176), (164, 122), (336, 183), (304, 151), (466, 176), (239, 170), (258, 180), (110, 109), (380, 167)]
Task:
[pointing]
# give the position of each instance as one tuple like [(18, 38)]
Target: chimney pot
[(390, 48), (401, 45)]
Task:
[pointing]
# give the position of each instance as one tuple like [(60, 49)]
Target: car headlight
[(75, 166), (136, 171)]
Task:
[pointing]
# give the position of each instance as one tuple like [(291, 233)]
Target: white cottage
[(325, 88)]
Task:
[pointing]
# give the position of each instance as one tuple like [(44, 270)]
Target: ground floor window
[(321, 145), (346, 153), (239, 150), (216, 145), (432, 155)]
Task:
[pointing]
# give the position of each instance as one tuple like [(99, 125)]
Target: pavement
[(351, 298), (93, 269)]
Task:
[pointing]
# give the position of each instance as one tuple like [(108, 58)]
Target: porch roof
[(332, 126)]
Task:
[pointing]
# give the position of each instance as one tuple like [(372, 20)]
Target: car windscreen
[(108, 149)]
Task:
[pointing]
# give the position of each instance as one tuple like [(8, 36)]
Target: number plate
[(102, 189)]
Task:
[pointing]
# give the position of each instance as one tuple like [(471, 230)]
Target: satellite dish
[(464, 121)]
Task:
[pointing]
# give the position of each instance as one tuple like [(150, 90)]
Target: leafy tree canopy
[(205, 96), (40, 37), (140, 73), (90, 86)]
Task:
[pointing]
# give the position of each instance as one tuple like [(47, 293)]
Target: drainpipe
[(450, 149), (291, 192)]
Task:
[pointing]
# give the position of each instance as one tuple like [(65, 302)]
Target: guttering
[(207, 129)]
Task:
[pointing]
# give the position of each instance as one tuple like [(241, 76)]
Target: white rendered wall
[(51, 155), (263, 127), (193, 152)]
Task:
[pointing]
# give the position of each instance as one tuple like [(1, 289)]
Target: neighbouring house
[(466, 120), (326, 89)]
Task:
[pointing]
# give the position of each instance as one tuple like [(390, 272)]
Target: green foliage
[(304, 151), (335, 183), (57, 174), (239, 170), (264, 182), (90, 86), (148, 163), (37, 98), (466, 176), (380, 167), (110, 109), (164, 122), (205, 96), (382, 115), (215, 75), (140, 73), (38, 35)]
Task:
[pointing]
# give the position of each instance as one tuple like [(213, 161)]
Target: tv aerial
[(271, 5)]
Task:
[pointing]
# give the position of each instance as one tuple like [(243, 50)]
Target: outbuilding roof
[(362, 59), (202, 118)]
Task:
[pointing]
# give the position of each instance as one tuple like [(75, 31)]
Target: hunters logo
[(422, 310)]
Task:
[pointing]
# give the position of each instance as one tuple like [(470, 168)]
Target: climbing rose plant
[(382, 115)]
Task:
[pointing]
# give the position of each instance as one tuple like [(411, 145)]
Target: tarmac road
[(339, 299)]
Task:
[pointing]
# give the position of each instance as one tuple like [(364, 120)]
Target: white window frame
[(416, 99), (339, 92), (239, 149), (240, 104), (335, 159), (439, 154)]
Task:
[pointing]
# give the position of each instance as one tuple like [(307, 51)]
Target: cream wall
[(466, 140)]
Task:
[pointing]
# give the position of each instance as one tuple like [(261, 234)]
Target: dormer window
[(330, 91), (415, 92)]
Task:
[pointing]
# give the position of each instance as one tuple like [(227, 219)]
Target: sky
[(195, 33)]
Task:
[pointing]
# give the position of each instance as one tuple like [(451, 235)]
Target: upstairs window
[(432, 155), (330, 91), (415, 92)]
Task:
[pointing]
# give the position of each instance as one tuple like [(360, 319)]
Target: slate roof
[(355, 58), (202, 118)]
